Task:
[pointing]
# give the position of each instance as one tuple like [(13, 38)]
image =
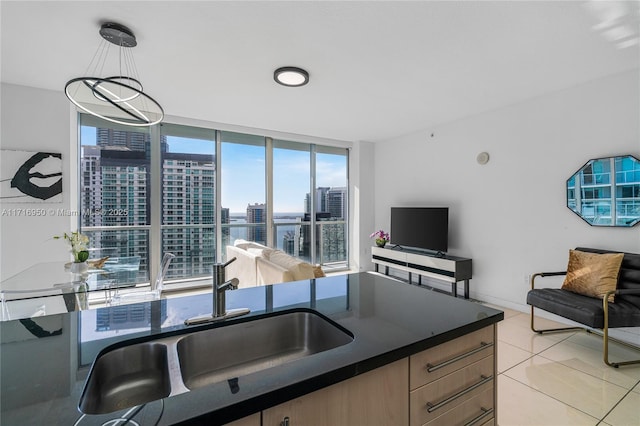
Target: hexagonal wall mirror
[(606, 191)]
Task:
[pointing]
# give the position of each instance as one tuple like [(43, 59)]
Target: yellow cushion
[(592, 274)]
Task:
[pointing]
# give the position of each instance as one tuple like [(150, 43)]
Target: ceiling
[(378, 69)]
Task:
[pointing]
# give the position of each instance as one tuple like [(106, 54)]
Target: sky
[(243, 172)]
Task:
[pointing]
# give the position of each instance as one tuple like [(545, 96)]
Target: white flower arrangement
[(79, 245)]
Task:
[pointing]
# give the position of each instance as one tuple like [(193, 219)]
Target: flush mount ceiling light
[(291, 76), (119, 97)]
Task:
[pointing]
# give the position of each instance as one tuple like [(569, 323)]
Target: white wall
[(510, 215), (361, 205), (34, 120)]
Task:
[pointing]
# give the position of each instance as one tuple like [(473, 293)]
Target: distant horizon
[(274, 214)]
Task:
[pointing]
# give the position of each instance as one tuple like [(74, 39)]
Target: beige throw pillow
[(592, 274), (318, 272)]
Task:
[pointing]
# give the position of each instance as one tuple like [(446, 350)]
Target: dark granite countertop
[(45, 361)]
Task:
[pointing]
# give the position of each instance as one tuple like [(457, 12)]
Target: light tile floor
[(560, 379)]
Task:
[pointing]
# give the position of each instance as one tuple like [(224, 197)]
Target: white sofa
[(257, 265)]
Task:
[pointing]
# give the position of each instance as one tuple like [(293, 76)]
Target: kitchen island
[(396, 328)]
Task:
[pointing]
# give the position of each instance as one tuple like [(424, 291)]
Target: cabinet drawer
[(436, 398), (441, 360), (476, 411)]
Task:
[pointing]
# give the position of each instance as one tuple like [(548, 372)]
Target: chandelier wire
[(118, 97)]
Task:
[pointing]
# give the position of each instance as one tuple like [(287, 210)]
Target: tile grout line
[(617, 403), (563, 340), (556, 399)]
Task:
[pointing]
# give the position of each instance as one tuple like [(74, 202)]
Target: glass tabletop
[(51, 278)]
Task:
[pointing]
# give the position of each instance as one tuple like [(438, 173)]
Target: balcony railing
[(195, 244)]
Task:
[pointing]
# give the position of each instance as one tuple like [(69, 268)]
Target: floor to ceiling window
[(331, 206), (114, 190), (243, 187), (188, 199), (291, 186), (184, 190)]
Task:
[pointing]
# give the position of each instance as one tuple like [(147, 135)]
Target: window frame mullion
[(155, 201)]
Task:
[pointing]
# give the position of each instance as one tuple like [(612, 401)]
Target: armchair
[(594, 313)]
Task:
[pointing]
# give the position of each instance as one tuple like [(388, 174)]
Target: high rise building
[(225, 219), (188, 194), (331, 238), (116, 192), (320, 200), (290, 242), (256, 213), (134, 141), (336, 202), (115, 188)]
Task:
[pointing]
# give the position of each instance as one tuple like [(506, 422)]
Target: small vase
[(380, 242), (79, 267)]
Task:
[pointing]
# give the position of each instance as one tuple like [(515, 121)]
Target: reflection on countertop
[(45, 360)]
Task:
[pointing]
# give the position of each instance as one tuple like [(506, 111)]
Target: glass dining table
[(48, 288)]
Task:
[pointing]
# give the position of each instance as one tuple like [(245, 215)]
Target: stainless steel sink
[(127, 377), (144, 372), (223, 353)]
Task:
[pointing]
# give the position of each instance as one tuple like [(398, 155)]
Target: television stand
[(446, 268)]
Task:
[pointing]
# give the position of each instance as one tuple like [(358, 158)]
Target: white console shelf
[(446, 268)]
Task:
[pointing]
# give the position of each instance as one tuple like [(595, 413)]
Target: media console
[(446, 268)]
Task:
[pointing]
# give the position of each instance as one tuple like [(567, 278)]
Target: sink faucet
[(219, 299), (220, 286)]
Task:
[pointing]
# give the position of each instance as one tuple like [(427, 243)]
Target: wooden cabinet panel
[(378, 397), (437, 397), (473, 411), (441, 360)]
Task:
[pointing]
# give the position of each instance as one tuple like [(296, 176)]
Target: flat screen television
[(420, 227)]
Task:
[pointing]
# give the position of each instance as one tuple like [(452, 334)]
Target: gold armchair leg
[(604, 335), (606, 338), (551, 330), (605, 329)]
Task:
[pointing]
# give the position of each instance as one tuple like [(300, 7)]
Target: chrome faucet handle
[(219, 300), (233, 259), (232, 284)]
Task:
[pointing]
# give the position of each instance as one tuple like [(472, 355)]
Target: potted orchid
[(79, 249), (382, 238)]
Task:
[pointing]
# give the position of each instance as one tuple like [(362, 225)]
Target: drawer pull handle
[(433, 407), (483, 345), (285, 422), (485, 412)]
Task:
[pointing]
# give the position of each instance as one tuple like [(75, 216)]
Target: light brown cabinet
[(450, 384), (454, 383), (378, 397)]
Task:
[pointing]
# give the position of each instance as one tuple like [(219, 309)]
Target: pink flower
[(380, 235)]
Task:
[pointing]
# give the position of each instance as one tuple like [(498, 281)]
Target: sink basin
[(126, 377), (224, 353), (143, 372)]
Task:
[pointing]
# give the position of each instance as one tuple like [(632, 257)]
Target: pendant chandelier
[(118, 97)]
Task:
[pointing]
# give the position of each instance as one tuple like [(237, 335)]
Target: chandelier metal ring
[(138, 110), (117, 97)]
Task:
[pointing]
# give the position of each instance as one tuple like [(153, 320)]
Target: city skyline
[(330, 169), (116, 175)]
